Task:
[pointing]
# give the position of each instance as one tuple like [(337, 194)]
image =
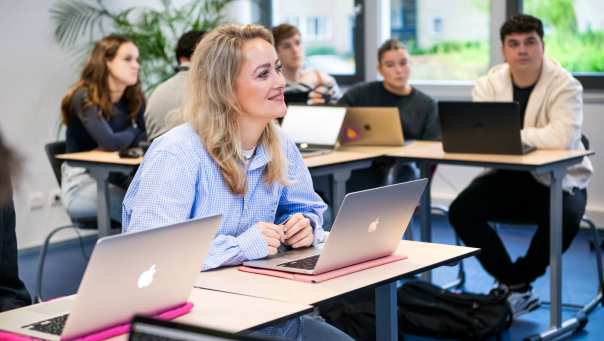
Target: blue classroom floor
[(65, 266)]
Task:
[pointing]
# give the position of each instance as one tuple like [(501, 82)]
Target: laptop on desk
[(482, 127), (314, 129), (135, 273), (369, 225), (372, 126), (149, 329)]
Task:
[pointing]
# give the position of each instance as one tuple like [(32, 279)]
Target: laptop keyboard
[(307, 263), (52, 326), (149, 337)]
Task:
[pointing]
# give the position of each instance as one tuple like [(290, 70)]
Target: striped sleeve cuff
[(252, 244)]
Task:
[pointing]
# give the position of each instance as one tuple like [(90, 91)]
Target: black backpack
[(425, 309)]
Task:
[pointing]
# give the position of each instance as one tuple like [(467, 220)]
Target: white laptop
[(134, 273), (369, 225), (314, 129)]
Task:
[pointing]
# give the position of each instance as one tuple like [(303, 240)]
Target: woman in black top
[(103, 110), (13, 293)]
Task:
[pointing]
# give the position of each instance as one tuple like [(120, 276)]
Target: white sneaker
[(521, 302)]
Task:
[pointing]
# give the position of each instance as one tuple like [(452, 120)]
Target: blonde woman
[(230, 159)]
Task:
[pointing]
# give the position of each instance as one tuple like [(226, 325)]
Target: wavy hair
[(94, 79), (212, 107)]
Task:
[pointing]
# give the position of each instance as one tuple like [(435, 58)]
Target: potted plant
[(154, 30)]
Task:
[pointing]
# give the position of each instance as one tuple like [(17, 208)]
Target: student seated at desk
[(417, 111), (104, 109), (13, 293), (164, 105), (229, 158), (303, 84), (550, 101)]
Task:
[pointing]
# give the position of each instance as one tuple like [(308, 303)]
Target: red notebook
[(120, 329), (326, 275)]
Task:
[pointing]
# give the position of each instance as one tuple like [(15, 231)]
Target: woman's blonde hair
[(212, 107)]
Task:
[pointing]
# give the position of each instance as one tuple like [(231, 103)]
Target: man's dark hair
[(187, 43), (389, 45), (521, 23)]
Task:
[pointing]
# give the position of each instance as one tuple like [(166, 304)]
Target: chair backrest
[(52, 149)]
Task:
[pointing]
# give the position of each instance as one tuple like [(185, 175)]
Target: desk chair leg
[(461, 272), (598, 252), (42, 258)]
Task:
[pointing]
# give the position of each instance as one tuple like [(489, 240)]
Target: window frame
[(589, 80), (358, 41)]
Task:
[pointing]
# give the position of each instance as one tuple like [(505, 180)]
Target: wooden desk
[(421, 257), (99, 164), (227, 312), (552, 162), (234, 313)]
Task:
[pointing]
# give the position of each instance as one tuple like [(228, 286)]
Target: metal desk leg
[(102, 201), (426, 214), (557, 327), (386, 327), (555, 246), (338, 188)]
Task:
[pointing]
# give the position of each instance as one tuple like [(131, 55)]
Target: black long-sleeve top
[(88, 129), (13, 293)]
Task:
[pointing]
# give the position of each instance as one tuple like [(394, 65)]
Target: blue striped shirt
[(178, 180)]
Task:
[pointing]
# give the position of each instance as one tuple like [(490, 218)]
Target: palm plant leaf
[(74, 19), (155, 32)]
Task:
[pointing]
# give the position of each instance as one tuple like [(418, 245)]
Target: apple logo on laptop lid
[(146, 278), (373, 225)]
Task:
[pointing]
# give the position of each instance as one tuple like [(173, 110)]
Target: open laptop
[(314, 129), (482, 127), (372, 126), (134, 273), (369, 225), (149, 329)]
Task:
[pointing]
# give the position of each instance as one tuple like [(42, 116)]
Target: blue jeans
[(306, 327), (79, 192)]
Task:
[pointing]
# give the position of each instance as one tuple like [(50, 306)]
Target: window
[(331, 32), (446, 41), (574, 36)]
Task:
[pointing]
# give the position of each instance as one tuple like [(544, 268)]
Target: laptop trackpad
[(54, 307)]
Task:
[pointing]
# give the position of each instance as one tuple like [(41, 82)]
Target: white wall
[(34, 74)]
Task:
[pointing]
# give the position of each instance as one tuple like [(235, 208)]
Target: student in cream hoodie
[(552, 114)]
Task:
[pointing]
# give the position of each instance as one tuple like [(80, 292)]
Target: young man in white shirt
[(552, 115)]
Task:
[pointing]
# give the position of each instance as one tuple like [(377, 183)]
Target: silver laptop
[(314, 129), (369, 225), (134, 273), (372, 126)]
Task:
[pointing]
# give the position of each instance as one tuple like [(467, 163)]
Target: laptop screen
[(149, 329), (314, 125)]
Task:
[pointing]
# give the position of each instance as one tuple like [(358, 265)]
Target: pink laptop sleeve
[(326, 275), (111, 331)]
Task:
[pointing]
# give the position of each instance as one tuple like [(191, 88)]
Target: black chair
[(52, 149)]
